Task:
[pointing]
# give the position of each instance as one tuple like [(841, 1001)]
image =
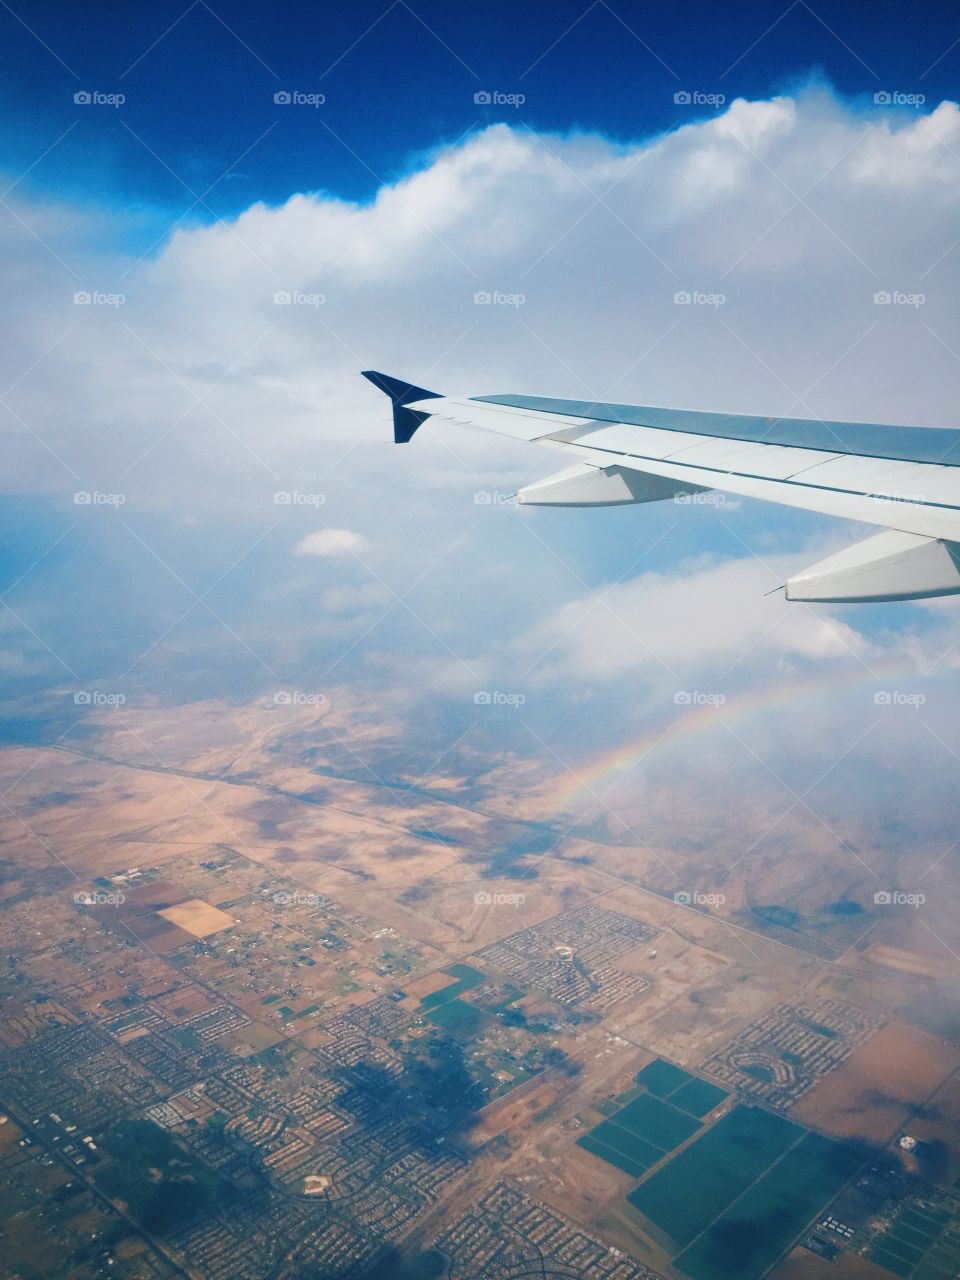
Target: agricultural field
[(458, 1017), (747, 1240), (733, 1200), (920, 1245), (649, 1122), (464, 977), (680, 1088)]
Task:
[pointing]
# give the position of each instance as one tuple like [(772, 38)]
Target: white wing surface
[(904, 479)]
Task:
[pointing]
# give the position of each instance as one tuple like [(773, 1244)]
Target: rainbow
[(581, 786)]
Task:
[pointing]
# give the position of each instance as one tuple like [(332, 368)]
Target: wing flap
[(886, 566), (585, 485)]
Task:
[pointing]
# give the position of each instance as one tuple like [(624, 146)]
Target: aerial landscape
[(265, 1013), (505, 831)]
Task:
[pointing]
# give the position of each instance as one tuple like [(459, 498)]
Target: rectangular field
[(672, 1084), (661, 1078), (465, 977), (697, 1097), (638, 1134), (658, 1122), (631, 1154), (749, 1237), (687, 1194), (458, 1017)]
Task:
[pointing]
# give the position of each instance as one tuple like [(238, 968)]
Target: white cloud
[(201, 397), (714, 617), (331, 542), (797, 210)]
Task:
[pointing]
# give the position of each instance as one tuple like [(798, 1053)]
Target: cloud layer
[(794, 256)]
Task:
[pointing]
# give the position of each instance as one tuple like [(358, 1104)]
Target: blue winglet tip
[(405, 421)]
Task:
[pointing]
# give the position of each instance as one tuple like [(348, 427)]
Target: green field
[(891, 1262), (672, 1084), (458, 1017), (696, 1186), (661, 1078), (620, 1149), (697, 1097), (657, 1121), (913, 1246), (736, 1198), (753, 1232), (638, 1134), (467, 977)]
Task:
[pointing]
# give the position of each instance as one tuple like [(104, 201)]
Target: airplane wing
[(904, 479)]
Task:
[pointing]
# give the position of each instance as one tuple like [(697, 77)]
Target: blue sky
[(199, 82)]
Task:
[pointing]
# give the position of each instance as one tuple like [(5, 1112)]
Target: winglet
[(405, 421)]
